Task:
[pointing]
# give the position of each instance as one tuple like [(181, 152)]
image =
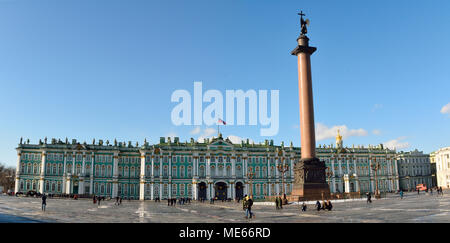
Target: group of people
[(181, 201), (247, 204), (278, 202), (325, 205), (118, 201), (98, 199)]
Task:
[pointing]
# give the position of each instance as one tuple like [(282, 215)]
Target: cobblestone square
[(425, 208)]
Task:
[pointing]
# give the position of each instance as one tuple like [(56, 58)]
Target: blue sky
[(107, 69)]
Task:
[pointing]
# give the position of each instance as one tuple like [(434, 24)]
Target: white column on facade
[(208, 165), (83, 164), (160, 168), (229, 188), (115, 186), (83, 172), (42, 176), (73, 163), (208, 190), (333, 178), (17, 185), (160, 190), (91, 186), (216, 169), (152, 196), (268, 167), (233, 165), (142, 178), (194, 190), (346, 183), (64, 173), (170, 175)]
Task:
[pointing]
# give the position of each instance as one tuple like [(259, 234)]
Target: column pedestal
[(310, 182)]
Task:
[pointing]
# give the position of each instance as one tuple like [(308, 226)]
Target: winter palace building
[(214, 168)]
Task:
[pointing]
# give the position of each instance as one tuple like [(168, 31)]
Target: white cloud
[(237, 140), (396, 143), (195, 131), (324, 132), (207, 133), (446, 109), (376, 132)]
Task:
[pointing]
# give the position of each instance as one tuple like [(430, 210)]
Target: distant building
[(442, 157), (433, 168), (414, 168)]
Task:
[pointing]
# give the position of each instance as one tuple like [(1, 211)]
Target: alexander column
[(309, 172)]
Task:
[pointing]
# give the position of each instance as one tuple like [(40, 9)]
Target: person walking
[(401, 194), (244, 202), (304, 207), (369, 197), (277, 203), (318, 206), (44, 201), (329, 205), (249, 214)]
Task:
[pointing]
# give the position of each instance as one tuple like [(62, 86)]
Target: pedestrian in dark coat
[(44, 202)]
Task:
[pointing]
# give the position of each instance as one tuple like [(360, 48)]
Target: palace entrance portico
[(202, 190), (221, 190), (239, 190)]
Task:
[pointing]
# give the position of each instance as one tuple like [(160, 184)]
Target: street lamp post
[(282, 168), (250, 175), (329, 174), (376, 167)]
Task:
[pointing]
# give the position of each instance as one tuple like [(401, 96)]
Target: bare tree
[(7, 177)]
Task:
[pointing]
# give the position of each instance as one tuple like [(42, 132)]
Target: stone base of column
[(309, 182)]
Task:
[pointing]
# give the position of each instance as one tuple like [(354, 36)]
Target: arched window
[(126, 172), (213, 170), (35, 168), (60, 169), (174, 171), (103, 171), (189, 171), (228, 171), (109, 171), (88, 170), (133, 172), (202, 171), (182, 171), (29, 168), (220, 172), (257, 172), (165, 171), (148, 171), (156, 170), (48, 168)]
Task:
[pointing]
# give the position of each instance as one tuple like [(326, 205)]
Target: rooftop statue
[(303, 24)]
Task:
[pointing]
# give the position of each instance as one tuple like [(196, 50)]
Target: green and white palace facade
[(213, 168)]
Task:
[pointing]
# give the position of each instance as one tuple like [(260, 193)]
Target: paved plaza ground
[(412, 208)]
